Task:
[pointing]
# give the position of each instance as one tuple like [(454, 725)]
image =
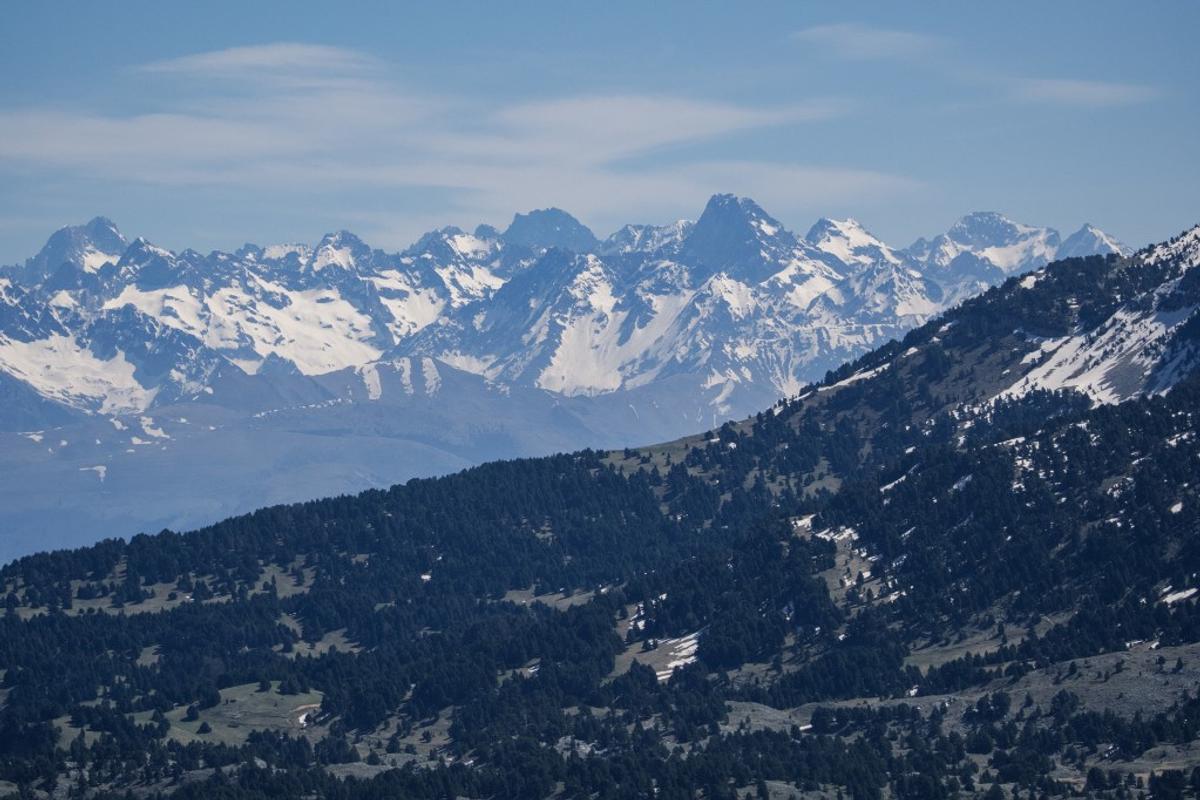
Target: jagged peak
[(728, 205), (983, 227), (341, 237), (545, 228), (850, 242), (646, 238), (730, 213), (143, 246), (340, 249)]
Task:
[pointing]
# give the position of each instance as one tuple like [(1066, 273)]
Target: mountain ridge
[(659, 330)]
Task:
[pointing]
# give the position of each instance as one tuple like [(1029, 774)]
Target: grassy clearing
[(243, 709), (559, 601), (165, 596)]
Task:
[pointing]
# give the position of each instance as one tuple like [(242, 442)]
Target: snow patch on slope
[(59, 368)]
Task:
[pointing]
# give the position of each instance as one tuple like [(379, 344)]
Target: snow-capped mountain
[(1090, 240), (1007, 246), (1143, 346), (544, 337), (983, 248)]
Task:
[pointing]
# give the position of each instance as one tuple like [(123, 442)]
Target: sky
[(210, 125)]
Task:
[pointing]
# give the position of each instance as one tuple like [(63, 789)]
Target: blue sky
[(209, 125)]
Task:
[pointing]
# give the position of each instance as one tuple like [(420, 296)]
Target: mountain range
[(964, 564), (155, 389)]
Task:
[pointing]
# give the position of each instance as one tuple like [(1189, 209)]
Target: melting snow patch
[(1175, 509), (1175, 597), (149, 428), (370, 378), (433, 379), (856, 377), (682, 651), (101, 471)]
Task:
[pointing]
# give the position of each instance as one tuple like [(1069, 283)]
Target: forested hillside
[(964, 565)]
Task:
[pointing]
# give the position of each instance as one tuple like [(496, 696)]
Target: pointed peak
[(87, 247), (340, 238), (727, 211), (99, 225), (142, 245), (1090, 240), (736, 235), (339, 249), (851, 243), (728, 204)]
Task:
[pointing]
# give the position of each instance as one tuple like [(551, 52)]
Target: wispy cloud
[(1083, 93), (256, 60), (852, 40), (286, 117)]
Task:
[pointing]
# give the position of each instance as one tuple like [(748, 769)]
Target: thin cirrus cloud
[(285, 116), (855, 41), (1083, 93), (279, 59)]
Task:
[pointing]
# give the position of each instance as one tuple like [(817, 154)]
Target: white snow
[(316, 329), (63, 299), (736, 295), (1110, 364), (590, 357), (100, 470), (470, 246), (94, 259), (855, 378), (681, 652), (60, 368), (149, 428), (850, 243), (175, 307), (370, 378), (468, 282), (431, 376), (412, 308), (330, 255), (1175, 597), (277, 252)]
